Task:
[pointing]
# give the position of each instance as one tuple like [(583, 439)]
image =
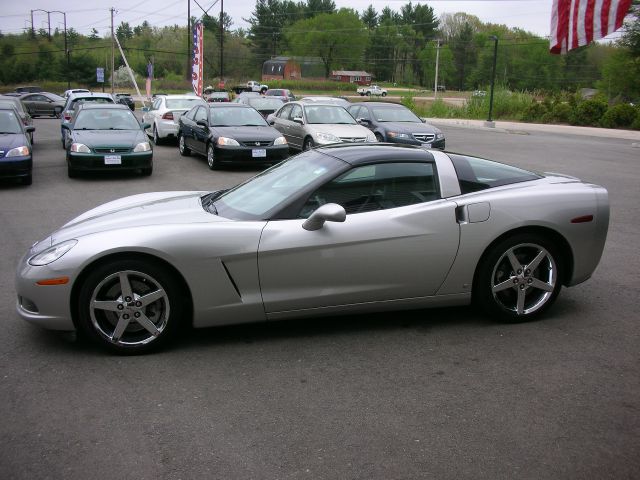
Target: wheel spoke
[(110, 305), (521, 298), (120, 328), (513, 260), (152, 297), (536, 261), (503, 286), (125, 286), (537, 283), (148, 325)]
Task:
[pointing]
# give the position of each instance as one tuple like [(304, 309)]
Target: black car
[(15, 147), (392, 122), (264, 105), (125, 99), (106, 137), (230, 133)]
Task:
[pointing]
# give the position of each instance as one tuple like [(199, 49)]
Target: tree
[(94, 34), (339, 39), (464, 54), (124, 32), (370, 17), (267, 22)]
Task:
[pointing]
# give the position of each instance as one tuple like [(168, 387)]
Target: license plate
[(258, 152), (428, 145), (112, 160)]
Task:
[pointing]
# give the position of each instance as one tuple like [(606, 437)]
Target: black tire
[(28, 180), (368, 94), (379, 137), (147, 171), (384, 94), (212, 161), (31, 138), (506, 288), (57, 112), (71, 173), (182, 147), (124, 322), (308, 144), (156, 138)]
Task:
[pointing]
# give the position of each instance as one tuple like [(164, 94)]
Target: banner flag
[(197, 60), (149, 78)]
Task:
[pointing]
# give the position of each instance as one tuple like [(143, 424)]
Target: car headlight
[(18, 152), (142, 147), (228, 141), (439, 136), (80, 148), (371, 138), (280, 141), (398, 135), (327, 138), (52, 254)]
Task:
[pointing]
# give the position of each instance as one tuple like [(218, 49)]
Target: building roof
[(350, 73)]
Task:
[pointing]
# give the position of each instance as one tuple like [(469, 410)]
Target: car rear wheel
[(182, 146), (519, 278), (384, 94), (130, 306), (57, 112), (156, 138), (211, 158), (308, 143)]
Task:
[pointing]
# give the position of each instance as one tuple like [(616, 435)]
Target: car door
[(150, 116), (296, 127), (199, 133), (399, 241), (280, 121), (31, 104)]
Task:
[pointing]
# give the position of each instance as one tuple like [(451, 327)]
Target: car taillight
[(67, 117), (168, 116)]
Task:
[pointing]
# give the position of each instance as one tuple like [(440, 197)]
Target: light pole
[(490, 122), (66, 49)]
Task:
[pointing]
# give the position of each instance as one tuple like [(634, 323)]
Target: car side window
[(353, 111), (201, 114), (284, 111), (296, 112), (364, 113), (377, 187), (156, 104)]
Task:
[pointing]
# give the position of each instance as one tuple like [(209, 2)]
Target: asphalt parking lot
[(443, 393)]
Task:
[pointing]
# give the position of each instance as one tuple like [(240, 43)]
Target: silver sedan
[(334, 230), (164, 113)]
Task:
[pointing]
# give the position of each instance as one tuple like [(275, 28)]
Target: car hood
[(339, 130), (12, 140), (109, 138), (249, 133), (158, 208), (409, 127)]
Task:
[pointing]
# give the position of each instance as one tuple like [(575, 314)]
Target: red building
[(350, 76)]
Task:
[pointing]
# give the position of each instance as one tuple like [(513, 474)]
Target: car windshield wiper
[(208, 201)]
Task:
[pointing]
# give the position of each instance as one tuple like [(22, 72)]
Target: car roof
[(228, 105), (102, 106), (380, 104), (365, 153), (75, 96), (179, 97)]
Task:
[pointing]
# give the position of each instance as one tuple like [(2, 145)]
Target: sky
[(83, 15)]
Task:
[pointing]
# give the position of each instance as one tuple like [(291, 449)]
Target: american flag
[(575, 23), (197, 60)]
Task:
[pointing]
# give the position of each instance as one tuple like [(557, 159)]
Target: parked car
[(72, 100), (218, 97), (240, 98), (372, 90), (343, 102), (75, 90), (264, 105), (392, 122), (230, 133), (15, 148), (25, 118), (282, 93), (125, 99), (43, 104), (164, 113), (412, 227), (306, 125), (107, 137), (28, 89)]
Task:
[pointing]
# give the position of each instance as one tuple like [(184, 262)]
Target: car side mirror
[(146, 126), (202, 123), (299, 120), (30, 129), (145, 109), (363, 120), (329, 212)]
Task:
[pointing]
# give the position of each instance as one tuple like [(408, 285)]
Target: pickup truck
[(251, 86), (372, 90)]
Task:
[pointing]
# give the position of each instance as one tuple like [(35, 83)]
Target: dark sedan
[(125, 99), (43, 104), (230, 133), (264, 105), (15, 148), (395, 123), (107, 137)]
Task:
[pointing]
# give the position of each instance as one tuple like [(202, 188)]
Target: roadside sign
[(100, 75)]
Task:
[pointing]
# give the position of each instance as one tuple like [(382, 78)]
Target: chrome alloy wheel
[(524, 279), (129, 308)]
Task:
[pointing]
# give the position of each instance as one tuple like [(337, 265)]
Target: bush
[(636, 123), (589, 113), (619, 116), (534, 112)]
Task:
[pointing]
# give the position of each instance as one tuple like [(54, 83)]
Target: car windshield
[(105, 119), (182, 103), (324, 114), (9, 122), (264, 194), (387, 114), (9, 103), (236, 117)]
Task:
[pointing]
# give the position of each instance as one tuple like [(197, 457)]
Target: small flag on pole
[(197, 60)]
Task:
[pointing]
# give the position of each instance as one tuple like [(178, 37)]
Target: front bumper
[(246, 155), (15, 167), (438, 144), (96, 162)]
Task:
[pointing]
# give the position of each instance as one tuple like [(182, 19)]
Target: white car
[(164, 113)]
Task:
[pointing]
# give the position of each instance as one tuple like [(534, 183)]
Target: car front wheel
[(519, 278), (182, 146), (130, 306), (211, 158), (156, 138), (308, 143)]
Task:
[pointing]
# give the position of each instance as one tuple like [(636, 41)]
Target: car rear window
[(475, 174)]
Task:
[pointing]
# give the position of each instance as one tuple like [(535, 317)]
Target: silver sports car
[(339, 229)]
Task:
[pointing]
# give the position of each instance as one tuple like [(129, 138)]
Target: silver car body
[(238, 271), (164, 113), (319, 123)]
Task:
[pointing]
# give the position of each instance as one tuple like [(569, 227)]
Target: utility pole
[(490, 122), (189, 35), (66, 47), (113, 53), (221, 40), (435, 85)]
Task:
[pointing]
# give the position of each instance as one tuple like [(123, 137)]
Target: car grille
[(353, 139), (257, 143), (424, 137), (112, 150)]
